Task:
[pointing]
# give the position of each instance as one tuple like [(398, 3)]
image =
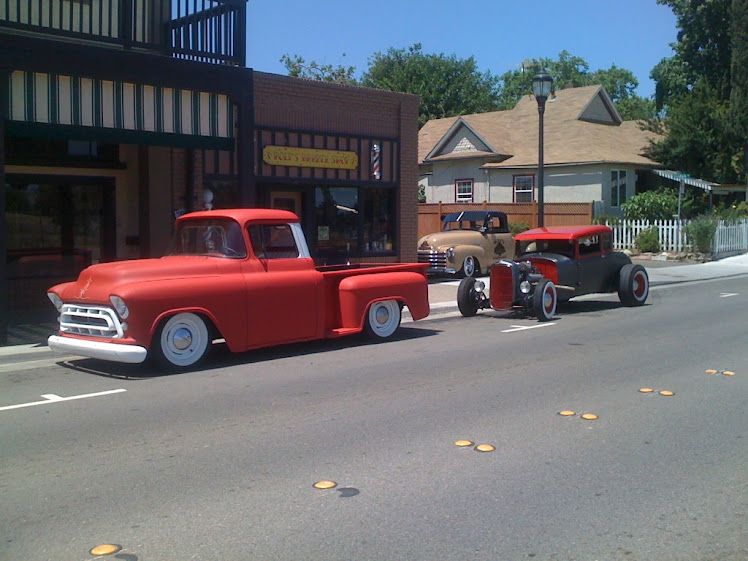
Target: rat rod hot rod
[(245, 276), (556, 264)]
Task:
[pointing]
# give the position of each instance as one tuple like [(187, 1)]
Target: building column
[(245, 145)]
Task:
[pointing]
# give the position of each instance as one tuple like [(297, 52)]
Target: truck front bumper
[(132, 354)]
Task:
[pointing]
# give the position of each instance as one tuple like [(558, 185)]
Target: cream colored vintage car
[(469, 243)]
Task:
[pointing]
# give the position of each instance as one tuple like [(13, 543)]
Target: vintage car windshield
[(219, 237), (561, 247), (462, 225)]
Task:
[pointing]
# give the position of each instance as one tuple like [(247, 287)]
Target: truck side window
[(273, 241)]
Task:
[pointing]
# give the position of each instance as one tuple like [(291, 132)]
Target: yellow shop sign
[(309, 158)]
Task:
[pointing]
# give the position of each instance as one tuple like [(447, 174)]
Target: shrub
[(700, 233), (736, 211), (611, 219), (651, 205), (649, 240), (518, 227)]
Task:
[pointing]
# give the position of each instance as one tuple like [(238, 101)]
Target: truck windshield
[(219, 237)]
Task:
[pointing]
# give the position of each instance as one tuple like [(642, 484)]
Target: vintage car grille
[(97, 321), (436, 259)]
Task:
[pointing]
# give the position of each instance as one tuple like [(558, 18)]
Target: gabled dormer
[(601, 110), (461, 141)]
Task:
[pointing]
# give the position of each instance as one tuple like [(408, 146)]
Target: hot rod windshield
[(219, 237), (561, 247)]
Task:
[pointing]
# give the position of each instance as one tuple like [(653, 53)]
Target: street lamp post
[(542, 84)]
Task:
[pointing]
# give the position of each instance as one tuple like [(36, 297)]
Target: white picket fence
[(730, 237)]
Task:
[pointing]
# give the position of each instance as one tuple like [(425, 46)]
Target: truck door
[(284, 292)]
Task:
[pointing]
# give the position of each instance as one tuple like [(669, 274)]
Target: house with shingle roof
[(590, 153)]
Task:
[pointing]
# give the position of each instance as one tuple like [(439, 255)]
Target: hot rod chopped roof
[(562, 232), (242, 215)]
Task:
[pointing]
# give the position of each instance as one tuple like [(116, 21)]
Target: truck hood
[(450, 238), (98, 282)]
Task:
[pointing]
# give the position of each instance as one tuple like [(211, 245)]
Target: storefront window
[(337, 221), (378, 223), (354, 222)]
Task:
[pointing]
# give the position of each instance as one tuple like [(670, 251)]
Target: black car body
[(556, 264)]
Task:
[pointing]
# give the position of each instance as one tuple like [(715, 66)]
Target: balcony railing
[(206, 30)]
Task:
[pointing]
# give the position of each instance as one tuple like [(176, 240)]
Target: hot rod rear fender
[(357, 292)]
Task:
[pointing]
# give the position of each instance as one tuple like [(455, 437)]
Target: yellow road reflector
[(463, 443), (566, 413), (589, 417), (728, 373), (105, 549), (711, 371), (325, 484), (485, 448), (646, 390), (667, 393)]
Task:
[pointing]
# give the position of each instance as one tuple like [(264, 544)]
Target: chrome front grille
[(97, 321), (437, 260)]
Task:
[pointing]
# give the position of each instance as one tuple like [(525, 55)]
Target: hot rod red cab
[(245, 276), (556, 264)]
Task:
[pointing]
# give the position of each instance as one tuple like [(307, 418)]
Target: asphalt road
[(220, 463)]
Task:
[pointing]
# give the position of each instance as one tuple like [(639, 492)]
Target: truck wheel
[(382, 319), (544, 300), (633, 285), (468, 301), (470, 267), (183, 340)]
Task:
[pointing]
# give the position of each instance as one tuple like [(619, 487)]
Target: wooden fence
[(554, 214)]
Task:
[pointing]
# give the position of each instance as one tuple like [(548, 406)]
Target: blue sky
[(500, 34)]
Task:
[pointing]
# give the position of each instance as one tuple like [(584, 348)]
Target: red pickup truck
[(245, 276)]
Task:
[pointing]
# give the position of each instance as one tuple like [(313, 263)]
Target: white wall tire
[(383, 319), (470, 267), (545, 300), (182, 341)]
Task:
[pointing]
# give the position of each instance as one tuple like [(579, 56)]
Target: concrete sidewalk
[(29, 342)]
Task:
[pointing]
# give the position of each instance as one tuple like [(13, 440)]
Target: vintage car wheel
[(383, 319), (633, 285), (468, 300), (470, 267), (183, 340), (544, 300)]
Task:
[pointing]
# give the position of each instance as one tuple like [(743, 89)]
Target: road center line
[(526, 327), (52, 398)]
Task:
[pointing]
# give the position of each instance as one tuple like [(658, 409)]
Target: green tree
[(299, 68), (447, 86), (572, 71), (739, 93), (704, 135)]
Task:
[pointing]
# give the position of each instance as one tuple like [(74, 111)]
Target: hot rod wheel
[(633, 285), (468, 300), (544, 300)]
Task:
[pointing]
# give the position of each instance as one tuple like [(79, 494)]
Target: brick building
[(116, 116)]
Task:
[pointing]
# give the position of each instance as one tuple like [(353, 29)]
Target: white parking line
[(728, 294), (52, 398), (526, 327)]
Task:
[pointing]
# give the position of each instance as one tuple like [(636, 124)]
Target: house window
[(617, 187), (523, 188), (464, 191)]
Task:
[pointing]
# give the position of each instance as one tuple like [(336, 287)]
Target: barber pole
[(376, 172)]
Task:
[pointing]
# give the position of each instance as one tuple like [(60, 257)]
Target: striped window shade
[(84, 102)]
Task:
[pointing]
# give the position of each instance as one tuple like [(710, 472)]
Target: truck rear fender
[(358, 292)]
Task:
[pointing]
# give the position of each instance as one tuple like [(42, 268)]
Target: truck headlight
[(120, 306), (525, 287), (55, 300), (450, 253)]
